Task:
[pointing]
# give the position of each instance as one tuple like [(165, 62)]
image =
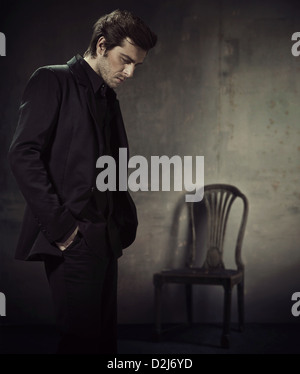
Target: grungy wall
[(221, 83)]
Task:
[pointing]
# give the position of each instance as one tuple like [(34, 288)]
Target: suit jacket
[(53, 158)]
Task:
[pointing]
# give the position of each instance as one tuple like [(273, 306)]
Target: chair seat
[(200, 275)]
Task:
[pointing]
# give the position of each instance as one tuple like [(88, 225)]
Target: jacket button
[(92, 189)]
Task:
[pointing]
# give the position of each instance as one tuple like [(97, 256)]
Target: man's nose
[(129, 70)]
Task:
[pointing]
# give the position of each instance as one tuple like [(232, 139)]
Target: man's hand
[(63, 246)]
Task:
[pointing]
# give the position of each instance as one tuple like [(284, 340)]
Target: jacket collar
[(76, 66)]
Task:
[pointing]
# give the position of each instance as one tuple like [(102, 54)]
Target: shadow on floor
[(138, 339)]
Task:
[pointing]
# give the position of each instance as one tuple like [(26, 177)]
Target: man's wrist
[(64, 245)]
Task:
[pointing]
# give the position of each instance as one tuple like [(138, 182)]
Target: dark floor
[(138, 339)]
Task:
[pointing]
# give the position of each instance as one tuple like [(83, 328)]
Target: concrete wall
[(221, 83)]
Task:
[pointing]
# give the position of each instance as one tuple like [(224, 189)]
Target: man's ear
[(101, 46)]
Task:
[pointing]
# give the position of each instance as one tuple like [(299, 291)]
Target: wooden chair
[(217, 200)]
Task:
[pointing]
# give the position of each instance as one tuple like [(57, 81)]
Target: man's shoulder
[(62, 72), (58, 70), (54, 78)]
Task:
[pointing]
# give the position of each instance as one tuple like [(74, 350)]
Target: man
[(69, 117)]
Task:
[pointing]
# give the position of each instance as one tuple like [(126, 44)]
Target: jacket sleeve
[(38, 116)]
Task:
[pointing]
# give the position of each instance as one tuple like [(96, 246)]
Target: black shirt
[(101, 203), (98, 84)]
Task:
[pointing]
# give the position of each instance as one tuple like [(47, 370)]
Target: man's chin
[(113, 84)]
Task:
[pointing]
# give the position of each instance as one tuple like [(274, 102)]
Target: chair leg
[(225, 343), (189, 303), (157, 307), (241, 310)]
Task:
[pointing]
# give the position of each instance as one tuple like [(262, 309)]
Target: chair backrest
[(218, 200)]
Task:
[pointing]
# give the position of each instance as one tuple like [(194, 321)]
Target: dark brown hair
[(117, 26)]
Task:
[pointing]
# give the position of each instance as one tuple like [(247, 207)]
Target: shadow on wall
[(267, 294), (208, 300)]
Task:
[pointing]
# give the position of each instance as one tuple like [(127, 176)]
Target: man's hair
[(117, 26)]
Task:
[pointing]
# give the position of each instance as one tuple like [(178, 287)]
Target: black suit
[(53, 156)]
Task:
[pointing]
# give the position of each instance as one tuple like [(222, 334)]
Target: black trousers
[(84, 291)]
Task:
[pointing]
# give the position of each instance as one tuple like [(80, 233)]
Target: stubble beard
[(103, 69)]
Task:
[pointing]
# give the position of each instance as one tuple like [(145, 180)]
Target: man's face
[(118, 64)]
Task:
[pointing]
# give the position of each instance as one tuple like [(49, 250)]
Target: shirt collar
[(97, 81)]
